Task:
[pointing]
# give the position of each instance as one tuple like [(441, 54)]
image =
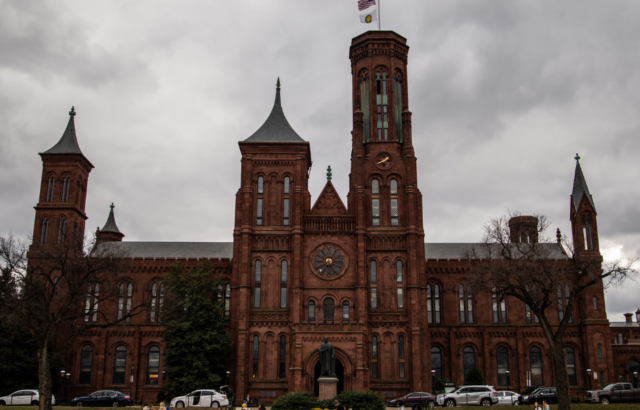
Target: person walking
[(163, 406), (545, 406), (338, 405), (536, 406), (261, 407)]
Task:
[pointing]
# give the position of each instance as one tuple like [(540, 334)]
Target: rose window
[(328, 261)]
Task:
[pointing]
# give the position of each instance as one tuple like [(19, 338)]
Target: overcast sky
[(503, 95)]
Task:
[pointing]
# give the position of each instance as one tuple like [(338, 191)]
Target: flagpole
[(379, 1)]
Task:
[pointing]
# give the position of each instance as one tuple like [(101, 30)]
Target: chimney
[(629, 317), (523, 229)]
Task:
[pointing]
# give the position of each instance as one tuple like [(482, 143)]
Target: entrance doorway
[(339, 375)]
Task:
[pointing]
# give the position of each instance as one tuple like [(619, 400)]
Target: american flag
[(365, 4)]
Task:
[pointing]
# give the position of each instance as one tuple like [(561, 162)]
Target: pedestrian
[(248, 400), (261, 407), (229, 395), (338, 405), (163, 406), (536, 407), (244, 404), (545, 406)]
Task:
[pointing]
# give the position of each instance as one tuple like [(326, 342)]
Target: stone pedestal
[(328, 387)]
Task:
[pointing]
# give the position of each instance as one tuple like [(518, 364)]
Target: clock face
[(383, 160), (329, 261)]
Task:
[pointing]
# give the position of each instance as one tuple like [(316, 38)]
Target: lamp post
[(638, 315), (509, 385), (164, 373), (229, 396), (589, 377), (433, 381), (635, 381)]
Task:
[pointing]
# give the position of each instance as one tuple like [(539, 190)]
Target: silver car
[(201, 398), (469, 396), (24, 398), (508, 398)]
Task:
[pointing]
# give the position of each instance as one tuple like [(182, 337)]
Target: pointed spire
[(276, 128), (68, 143), (111, 226), (329, 174), (580, 187)]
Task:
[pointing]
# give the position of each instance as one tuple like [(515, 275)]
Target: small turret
[(110, 231), (523, 229)]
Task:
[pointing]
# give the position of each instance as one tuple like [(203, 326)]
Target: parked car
[(469, 396), (613, 393), (24, 398), (103, 398), (201, 398), (508, 398), (548, 394), (421, 399)]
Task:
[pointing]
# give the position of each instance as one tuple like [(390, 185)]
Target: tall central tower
[(384, 197)]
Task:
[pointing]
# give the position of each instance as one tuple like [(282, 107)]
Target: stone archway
[(339, 375), (345, 371)]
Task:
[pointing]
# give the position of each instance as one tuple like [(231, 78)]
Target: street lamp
[(433, 381), (509, 384), (589, 377), (635, 382)]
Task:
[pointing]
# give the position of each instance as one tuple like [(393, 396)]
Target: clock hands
[(383, 160)]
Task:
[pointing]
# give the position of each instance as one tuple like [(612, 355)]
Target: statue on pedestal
[(327, 359)]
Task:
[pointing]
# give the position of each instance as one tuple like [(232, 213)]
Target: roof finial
[(329, 173), (73, 111), (558, 235), (577, 157), (112, 206), (278, 84)]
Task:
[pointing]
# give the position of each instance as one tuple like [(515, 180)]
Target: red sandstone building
[(357, 271)]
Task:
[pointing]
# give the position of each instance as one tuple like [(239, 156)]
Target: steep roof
[(276, 128), (458, 250), (329, 202), (111, 226), (68, 143), (172, 250), (580, 187)]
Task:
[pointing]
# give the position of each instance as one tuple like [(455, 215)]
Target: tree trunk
[(561, 376), (44, 376)]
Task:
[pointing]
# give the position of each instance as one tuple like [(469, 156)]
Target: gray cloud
[(503, 95)]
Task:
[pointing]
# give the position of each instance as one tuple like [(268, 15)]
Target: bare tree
[(60, 290), (536, 270)]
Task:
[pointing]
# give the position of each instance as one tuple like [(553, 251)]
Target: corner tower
[(385, 199), (63, 189)]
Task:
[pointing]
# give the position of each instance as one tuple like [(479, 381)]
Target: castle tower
[(63, 189), (110, 231), (384, 197), (584, 225)]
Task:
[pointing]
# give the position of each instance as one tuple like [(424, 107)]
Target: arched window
[(567, 296), (312, 311), (468, 361), (125, 296), (587, 232), (66, 182), (526, 236), (258, 283), (393, 192), (381, 102), (55, 287), (285, 203), (399, 287), (345, 311), (401, 369), (570, 358), (373, 270), (499, 308), (92, 302), (119, 365), (157, 300), (436, 361), (599, 351), (364, 99), (283, 357), (62, 229), (153, 366), (436, 303), (560, 303), (502, 362), (284, 268), (227, 300), (465, 316), (121, 296), (397, 114), (256, 355), (634, 369), (374, 357), (528, 314), (51, 184), (595, 304), (375, 202), (429, 304), (259, 204), (328, 309), (86, 363), (44, 230), (620, 338), (535, 361)]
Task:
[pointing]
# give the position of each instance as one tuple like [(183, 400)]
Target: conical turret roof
[(68, 143), (580, 187), (276, 128), (111, 226)]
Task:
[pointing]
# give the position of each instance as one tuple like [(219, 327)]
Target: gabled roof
[(172, 250), (329, 203), (276, 128), (111, 226), (580, 187), (68, 143), (551, 250)]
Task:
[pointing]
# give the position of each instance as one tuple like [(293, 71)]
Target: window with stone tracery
[(373, 270), (257, 294), (285, 203), (284, 268), (399, 283), (375, 202), (393, 192), (401, 365), (374, 357), (381, 104), (259, 202)]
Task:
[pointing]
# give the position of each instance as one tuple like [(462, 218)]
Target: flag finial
[(577, 157), (73, 111), (278, 84), (329, 174)]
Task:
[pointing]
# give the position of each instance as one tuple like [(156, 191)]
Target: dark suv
[(421, 399), (548, 394)]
